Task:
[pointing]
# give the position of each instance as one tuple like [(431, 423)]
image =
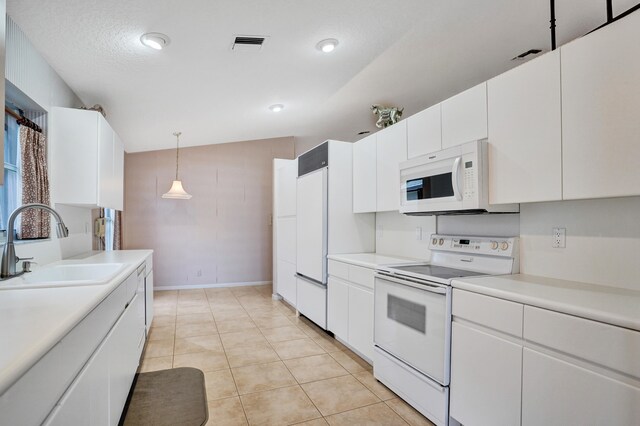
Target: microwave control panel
[(469, 182)]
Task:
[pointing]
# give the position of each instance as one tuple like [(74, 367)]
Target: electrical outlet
[(559, 237), (418, 233), (199, 273)]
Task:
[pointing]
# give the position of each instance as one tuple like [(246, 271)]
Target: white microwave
[(452, 181)]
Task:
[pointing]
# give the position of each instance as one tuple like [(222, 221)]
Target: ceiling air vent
[(527, 55), (248, 43)]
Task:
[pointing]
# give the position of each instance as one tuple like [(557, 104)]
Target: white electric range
[(412, 316)]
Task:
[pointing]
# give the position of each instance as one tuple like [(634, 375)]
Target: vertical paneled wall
[(224, 233), (28, 71)]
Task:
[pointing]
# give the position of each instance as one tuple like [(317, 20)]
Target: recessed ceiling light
[(155, 41), (276, 107), (327, 45)]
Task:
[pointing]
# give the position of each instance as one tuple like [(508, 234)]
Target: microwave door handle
[(455, 178)]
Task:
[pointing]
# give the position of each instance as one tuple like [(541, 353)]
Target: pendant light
[(177, 192)]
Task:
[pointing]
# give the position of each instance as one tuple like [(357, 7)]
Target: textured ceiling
[(411, 53)]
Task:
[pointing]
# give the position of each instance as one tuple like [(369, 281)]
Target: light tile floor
[(265, 366)]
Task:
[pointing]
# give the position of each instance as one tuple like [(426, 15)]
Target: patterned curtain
[(35, 223), (117, 230)]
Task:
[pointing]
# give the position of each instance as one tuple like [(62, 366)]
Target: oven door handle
[(421, 285), (455, 178)]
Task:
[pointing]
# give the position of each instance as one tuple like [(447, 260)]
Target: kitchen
[(311, 282)]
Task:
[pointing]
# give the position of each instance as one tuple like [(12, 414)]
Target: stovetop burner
[(441, 272)]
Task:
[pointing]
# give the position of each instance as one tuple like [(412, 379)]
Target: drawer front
[(312, 302), (607, 345), (339, 269), (363, 276), (488, 311), (423, 394)]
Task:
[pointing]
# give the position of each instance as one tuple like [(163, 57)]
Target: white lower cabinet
[(485, 378), (86, 377), (556, 392), (148, 302), (286, 275), (98, 394), (350, 306), (559, 370), (338, 308), (123, 348), (361, 320), (87, 399)]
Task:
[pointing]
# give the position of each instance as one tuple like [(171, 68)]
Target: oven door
[(413, 323)]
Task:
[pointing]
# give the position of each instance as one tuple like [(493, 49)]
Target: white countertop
[(32, 321), (372, 260), (605, 304)]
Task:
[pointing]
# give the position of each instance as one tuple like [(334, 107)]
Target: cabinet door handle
[(310, 281)]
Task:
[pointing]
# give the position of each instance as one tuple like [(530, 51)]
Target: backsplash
[(603, 238), (396, 234), (603, 241)]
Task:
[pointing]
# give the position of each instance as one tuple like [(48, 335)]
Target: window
[(109, 216), (11, 191)]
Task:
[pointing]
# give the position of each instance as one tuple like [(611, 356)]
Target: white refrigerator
[(325, 223)]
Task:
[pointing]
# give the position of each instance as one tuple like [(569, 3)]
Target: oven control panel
[(496, 246)]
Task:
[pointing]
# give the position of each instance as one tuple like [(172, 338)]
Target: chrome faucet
[(9, 258)]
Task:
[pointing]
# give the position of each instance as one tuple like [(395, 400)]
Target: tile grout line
[(277, 309), (235, 383), (294, 378)]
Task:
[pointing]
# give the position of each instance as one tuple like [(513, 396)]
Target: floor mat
[(168, 397)]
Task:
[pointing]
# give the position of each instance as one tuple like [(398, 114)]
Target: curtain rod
[(12, 113), (22, 120)]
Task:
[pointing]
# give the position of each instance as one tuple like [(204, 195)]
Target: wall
[(396, 235), (30, 73), (603, 241), (223, 234)]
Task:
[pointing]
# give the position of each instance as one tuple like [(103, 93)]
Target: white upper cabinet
[(286, 178), (87, 160), (391, 151), (364, 175), (601, 112), (464, 116), (424, 132), (525, 133)]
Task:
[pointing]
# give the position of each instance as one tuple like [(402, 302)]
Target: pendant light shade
[(177, 192)]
